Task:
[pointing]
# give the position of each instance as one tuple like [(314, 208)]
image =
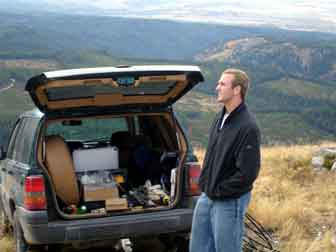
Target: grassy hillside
[(302, 88), (54, 34), (48, 35), (13, 102), (196, 111), (294, 202)]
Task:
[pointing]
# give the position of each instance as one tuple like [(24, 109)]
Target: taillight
[(34, 193), (194, 172)]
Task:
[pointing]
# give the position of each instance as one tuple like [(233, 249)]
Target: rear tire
[(182, 244), (54, 248), (175, 243)]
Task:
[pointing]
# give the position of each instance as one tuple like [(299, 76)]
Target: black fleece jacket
[(232, 160)]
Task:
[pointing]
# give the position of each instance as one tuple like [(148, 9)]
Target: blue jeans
[(218, 225)]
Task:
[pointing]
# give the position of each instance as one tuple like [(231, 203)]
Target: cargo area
[(113, 164)]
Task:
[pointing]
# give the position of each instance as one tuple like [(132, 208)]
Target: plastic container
[(97, 159)]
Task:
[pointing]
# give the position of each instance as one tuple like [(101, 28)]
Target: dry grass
[(295, 202), (6, 244)]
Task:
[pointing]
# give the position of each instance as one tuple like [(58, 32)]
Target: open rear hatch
[(110, 165), (111, 87)]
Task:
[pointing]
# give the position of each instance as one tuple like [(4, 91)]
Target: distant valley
[(293, 74)]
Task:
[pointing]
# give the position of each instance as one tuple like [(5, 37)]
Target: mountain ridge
[(290, 71)]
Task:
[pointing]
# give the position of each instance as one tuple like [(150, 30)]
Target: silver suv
[(102, 158)]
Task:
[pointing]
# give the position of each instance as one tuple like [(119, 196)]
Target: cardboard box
[(116, 204), (100, 193)]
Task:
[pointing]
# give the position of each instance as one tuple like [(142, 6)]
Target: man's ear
[(237, 90)]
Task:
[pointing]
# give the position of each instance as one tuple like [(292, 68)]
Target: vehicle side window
[(22, 139), (18, 144), (10, 149), (27, 140)]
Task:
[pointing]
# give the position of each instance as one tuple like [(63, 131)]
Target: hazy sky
[(305, 7), (303, 14), (313, 9)]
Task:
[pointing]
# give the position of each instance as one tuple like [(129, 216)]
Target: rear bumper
[(37, 229)]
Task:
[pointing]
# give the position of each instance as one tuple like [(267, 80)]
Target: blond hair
[(240, 79)]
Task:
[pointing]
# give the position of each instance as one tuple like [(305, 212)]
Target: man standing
[(231, 165)]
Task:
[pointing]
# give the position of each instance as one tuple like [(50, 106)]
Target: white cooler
[(97, 159)]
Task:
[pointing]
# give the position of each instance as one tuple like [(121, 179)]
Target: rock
[(333, 167), (317, 162), (325, 158)]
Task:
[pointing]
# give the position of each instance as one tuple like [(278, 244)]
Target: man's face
[(225, 91)]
